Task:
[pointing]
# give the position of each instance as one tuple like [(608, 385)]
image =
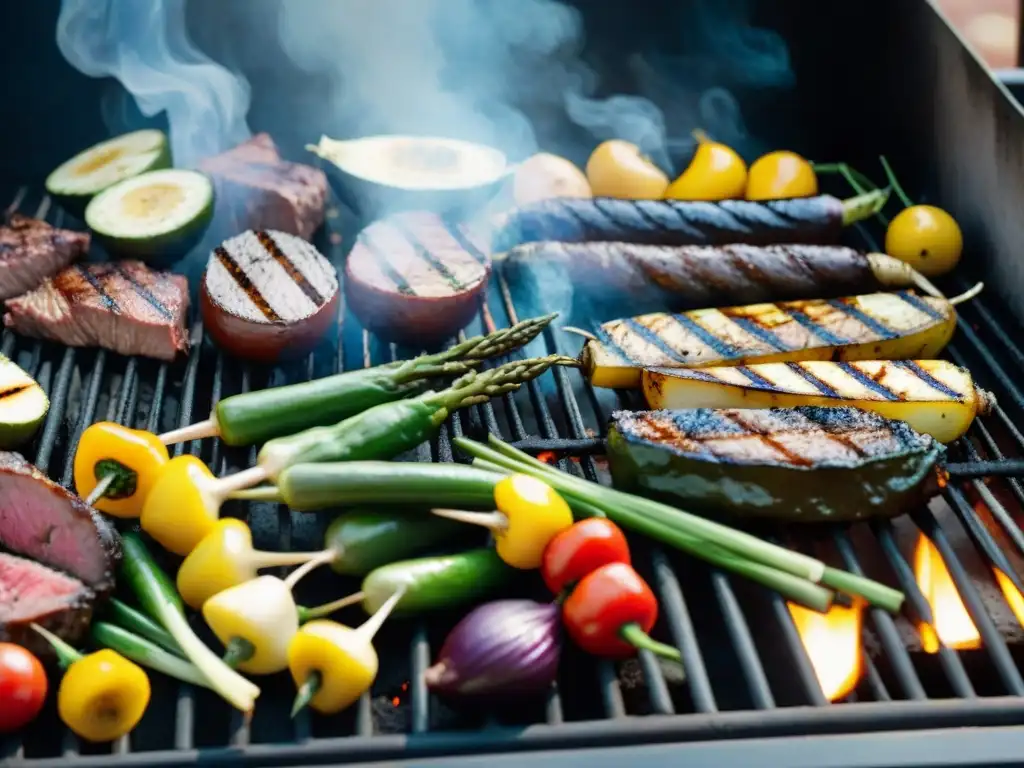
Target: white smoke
[(144, 45)]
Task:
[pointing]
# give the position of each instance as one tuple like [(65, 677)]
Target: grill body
[(880, 76)]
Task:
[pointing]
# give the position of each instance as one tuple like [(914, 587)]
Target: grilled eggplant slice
[(890, 326), (804, 464), (933, 396)]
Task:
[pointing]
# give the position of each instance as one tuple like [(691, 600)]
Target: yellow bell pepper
[(530, 513), (333, 665), (182, 506), (102, 696), (224, 558), (133, 457)]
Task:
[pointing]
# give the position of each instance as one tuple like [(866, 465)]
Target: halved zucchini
[(158, 215), (23, 405), (76, 181)]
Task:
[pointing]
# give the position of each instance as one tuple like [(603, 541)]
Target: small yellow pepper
[(716, 172), (781, 175), (333, 665), (617, 168), (530, 513), (182, 506), (224, 558), (133, 457)]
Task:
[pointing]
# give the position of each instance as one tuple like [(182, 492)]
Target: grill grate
[(747, 672)]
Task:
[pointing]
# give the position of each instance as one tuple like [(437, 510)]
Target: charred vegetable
[(874, 326), (933, 396), (674, 222), (23, 405), (802, 464)]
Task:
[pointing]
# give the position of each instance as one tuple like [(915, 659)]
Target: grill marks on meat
[(31, 251), (416, 277), (41, 520), (673, 222), (256, 189), (795, 437), (268, 294), (122, 306), (31, 593)]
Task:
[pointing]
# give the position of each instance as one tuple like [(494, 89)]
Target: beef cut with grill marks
[(31, 593), (256, 189), (122, 306), (268, 295), (416, 277), (672, 222), (43, 521), (31, 251), (610, 279)]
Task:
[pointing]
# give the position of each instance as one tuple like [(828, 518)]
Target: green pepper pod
[(433, 583), (805, 464)]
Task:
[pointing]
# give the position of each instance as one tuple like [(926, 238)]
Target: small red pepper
[(610, 612), (580, 549)]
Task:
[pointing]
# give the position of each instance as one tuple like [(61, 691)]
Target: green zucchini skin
[(435, 583), (367, 539), (683, 457)]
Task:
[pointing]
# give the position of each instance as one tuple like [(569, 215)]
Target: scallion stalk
[(157, 595), (147, 653), (123, 615)]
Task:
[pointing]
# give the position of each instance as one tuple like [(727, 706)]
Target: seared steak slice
[(122, 306), (257, 190), (31, 593), (31, 251), (41, 520)]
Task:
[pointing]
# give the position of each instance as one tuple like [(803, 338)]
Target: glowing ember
[(833, 644), (548, 457), (1013, 596), (953, 626)]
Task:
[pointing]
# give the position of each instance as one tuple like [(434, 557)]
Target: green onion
[(139, 623), (148, 654), (157, 595)]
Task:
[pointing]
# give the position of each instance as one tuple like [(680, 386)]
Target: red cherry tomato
[(22, 687), (583, 547), (605, 601)]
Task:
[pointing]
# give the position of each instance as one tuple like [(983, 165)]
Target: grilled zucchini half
[(799, 465), (932, 396), (888, 326), (23, 405)]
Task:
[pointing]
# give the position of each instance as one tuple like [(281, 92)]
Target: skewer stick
[(967, 295), (197, 431), (495, 521), (579, 332), (293, 577), (100, 489)]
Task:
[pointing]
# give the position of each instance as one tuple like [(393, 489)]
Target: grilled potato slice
[(889, 326), (933, 396), (797, 464)]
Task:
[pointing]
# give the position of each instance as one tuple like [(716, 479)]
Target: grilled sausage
[(415, 278), (804, 464), (673, 222), (268, 295), (612, 280)]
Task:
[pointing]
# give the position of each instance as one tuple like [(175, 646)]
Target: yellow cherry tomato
[(135, 458), (221, 559), (716, 172), (925, 237), (535, 514), (781, 175), (102, 696), (618, 169), (344, 659), (182, 506), (544, 176)]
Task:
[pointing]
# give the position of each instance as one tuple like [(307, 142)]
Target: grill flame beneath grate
[(833, 644)]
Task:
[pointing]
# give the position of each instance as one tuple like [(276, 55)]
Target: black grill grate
[(747, 673)]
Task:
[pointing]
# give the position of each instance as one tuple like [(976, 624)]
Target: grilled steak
[(41, 520), (804, 464), (673, 222), (122, 306), (268, 295), (256, 189), (610, 280), (415, 278), (31, 251), (31, 593)]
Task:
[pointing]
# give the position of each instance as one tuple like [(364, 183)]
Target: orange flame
[(833, 644), (1013, 596), (548, 457), (953, 626)]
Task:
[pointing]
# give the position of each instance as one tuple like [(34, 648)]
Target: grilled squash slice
[(889, 326), (933, 396), (797, 464)]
